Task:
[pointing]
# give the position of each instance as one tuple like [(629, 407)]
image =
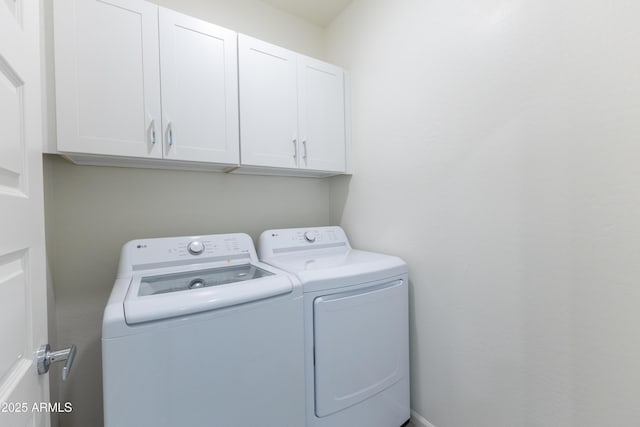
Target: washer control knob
[(196, 247), (309, 237)]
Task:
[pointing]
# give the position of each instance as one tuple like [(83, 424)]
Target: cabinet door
[(107, 77), (199, 69), (321, 115), (268, 104)]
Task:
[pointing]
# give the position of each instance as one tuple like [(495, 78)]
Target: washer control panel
[(154, 252)]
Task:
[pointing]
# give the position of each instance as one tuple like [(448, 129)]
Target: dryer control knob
[(309, 237), (196, 247)]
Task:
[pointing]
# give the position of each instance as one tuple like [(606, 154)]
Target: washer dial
[(196, 247)]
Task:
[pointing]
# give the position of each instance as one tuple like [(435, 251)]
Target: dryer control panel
[(291, 240)]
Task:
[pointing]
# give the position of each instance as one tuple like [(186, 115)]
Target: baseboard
[(419, 421)]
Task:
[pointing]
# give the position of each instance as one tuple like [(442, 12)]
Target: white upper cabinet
[(268, 104), (141, 85), (107, 77), (110, 56), (321, 107), (292, 109), (198, 63)]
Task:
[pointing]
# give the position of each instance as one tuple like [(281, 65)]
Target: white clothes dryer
[(198, 332), (356, 326)]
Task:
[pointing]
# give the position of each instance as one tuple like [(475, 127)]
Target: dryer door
[(361, 341)]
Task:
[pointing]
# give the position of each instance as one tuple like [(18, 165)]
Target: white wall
[(496, 148), (92, 211)]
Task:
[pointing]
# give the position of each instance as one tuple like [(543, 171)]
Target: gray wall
[(91, 211), (496, 148)]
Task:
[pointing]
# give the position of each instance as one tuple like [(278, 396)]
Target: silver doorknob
[(45, 357)]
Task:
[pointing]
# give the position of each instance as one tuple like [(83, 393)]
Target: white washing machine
[(356, 327), (198, 332)]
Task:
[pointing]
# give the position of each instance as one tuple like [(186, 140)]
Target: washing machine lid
[(328, 269), (166, 293)]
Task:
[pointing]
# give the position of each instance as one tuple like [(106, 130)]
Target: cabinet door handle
[(152, 125), (170, 133), (304, 145), (295, 148)]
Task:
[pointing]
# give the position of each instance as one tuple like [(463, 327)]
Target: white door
[(321, 120), (107, 77), (199, 72), (268, 104), (23, 310)]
